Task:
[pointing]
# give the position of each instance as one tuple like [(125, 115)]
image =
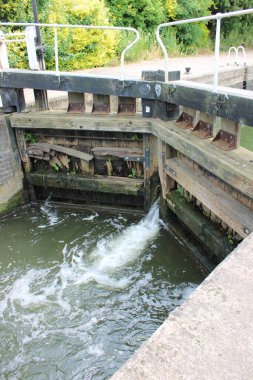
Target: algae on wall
[(11, 176)]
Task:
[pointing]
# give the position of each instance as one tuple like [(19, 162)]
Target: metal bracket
[(76, 102), (126, 106), (203, 130), (76, 107), (134, 159), (101, 104), (225, 140), (185, 121), (147, 158), (101, 108)]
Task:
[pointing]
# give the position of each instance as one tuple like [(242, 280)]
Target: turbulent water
[(81, 290)]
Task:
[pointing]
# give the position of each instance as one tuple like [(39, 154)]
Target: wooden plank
[(61, 120), (223, 205), (21, 142), (233, 167), (205, 231), (63, 149), (117, 152), (227, 102), (103, 184)]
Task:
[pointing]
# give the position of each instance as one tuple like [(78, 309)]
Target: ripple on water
[(88, 291)]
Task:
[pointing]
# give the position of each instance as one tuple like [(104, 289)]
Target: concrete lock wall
[(209, 337), (11, 176)]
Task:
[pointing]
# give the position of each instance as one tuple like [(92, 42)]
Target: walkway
[(210, 337)]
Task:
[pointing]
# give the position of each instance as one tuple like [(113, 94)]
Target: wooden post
[(146, 153), (157, 108), (162, 166), (22, 150), (13, 100)]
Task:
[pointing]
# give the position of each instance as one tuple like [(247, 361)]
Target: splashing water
[(77, 298)]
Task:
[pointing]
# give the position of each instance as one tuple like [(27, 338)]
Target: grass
[(247, 138)]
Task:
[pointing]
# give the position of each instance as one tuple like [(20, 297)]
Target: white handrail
[(245, 62), (218, 17), (229, 54), (55, 26)]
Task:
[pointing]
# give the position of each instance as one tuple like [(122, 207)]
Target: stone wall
[(11, 176)]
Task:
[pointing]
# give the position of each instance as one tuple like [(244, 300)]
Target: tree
[(189, 36), (235, 30), (144, 15)]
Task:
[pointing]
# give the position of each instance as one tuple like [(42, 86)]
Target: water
[(81, 290)]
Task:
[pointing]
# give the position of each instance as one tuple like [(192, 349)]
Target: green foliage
[(144, 15), (230, 238), (55, 166), (133, 173), (30, 138), (188, 37), (135, 137), (79, 48), (87, 48), (14, 10), (235, 30)]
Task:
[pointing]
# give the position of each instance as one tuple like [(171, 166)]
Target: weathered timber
[(129, 154), (229, 103), (159, 108), (233, 167), (62, 149), (226, 207), (211, 238), (103, 184), (61, 120), (13, 100), (41, 100), (22, 150)]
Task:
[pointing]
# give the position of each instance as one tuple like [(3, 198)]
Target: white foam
[(91, 217), (50, 214), (96, 350), (81, 265)]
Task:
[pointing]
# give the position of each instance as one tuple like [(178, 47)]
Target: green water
[(81, 290)]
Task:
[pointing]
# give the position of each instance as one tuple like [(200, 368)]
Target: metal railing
[(237, 55), (218, 17), (59, 26)]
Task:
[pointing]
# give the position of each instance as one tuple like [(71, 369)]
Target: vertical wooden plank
[(22, 150), (146, 153), (41, 100)]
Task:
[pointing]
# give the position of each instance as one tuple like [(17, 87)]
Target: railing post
[(217, 53), (30, 35), (4, 61)]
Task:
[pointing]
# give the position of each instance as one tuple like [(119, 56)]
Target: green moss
[(13, 202)]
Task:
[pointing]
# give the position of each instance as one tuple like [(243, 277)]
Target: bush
[(79, 48), (189, 37), (143, 15)]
